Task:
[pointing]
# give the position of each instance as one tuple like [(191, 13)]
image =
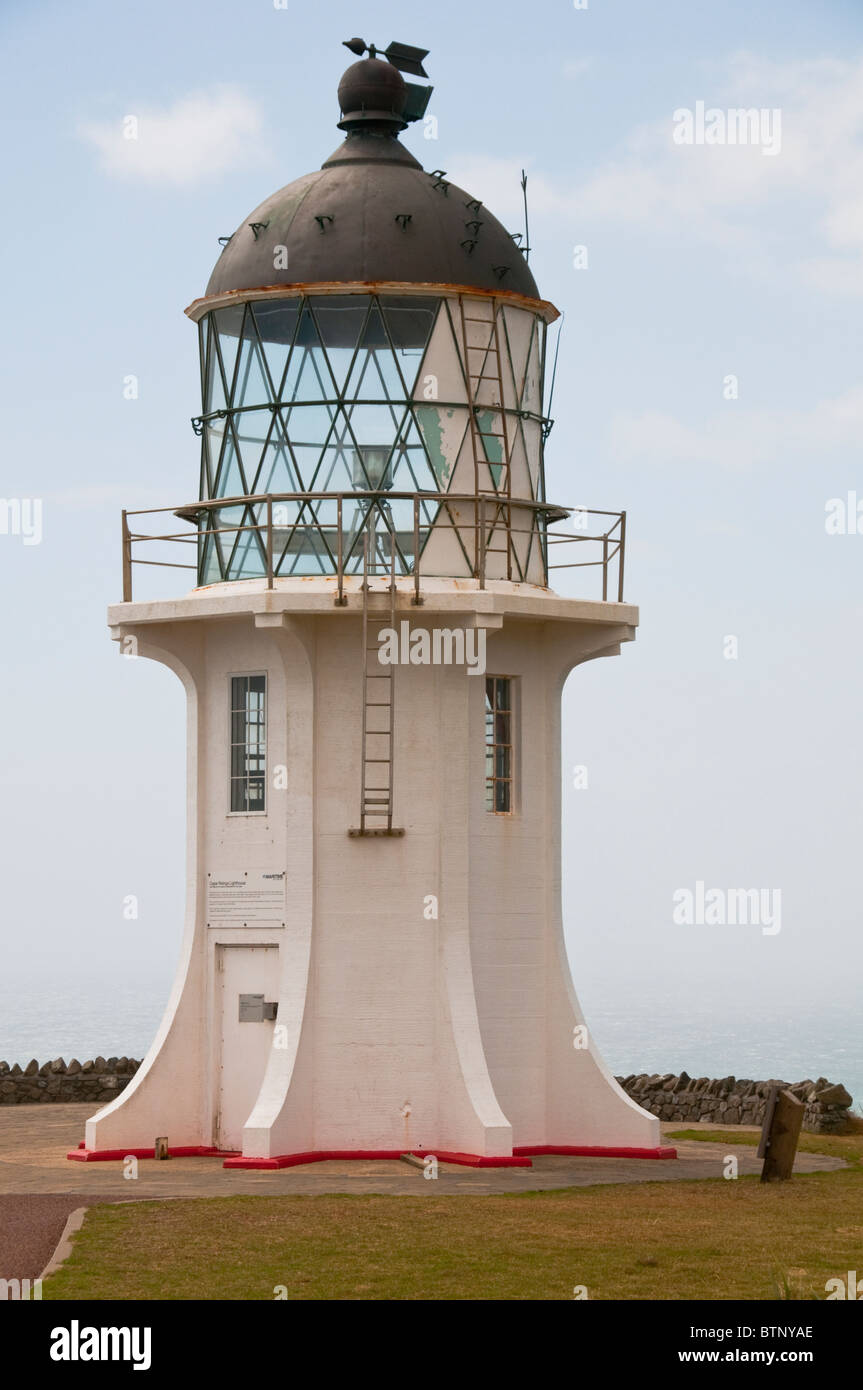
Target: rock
[(89, 1066), (834, 1095), (58, 1065), (32, 1068), (683, 1081), (111, 1064), (100, 1064), (16, 1070), (74, 1067)]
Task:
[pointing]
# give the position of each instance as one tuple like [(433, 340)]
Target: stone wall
[(677, 1098), (97, 1080), (732, 1102)]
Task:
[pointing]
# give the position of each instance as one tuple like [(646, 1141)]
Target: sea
[(84, 1017)]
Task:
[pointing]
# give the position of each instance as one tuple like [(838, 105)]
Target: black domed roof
[(372, 213)]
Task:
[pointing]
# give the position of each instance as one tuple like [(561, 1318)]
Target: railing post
[(127, 562), (269, 540), (621, 554), (480, 507), (340, 570), (417, 594), (605, 567)]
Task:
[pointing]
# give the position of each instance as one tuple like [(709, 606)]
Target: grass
[(712, 1239)]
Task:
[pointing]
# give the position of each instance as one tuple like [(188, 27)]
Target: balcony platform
[(461, 599)]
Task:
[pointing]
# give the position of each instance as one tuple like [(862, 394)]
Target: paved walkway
[(39, 1186)]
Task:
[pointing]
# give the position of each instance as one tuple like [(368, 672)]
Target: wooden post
[(783, 1120)]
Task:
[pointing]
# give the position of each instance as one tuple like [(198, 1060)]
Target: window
[(248, 743), (498, 745)]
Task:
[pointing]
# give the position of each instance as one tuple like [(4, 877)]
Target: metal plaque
[(247, 896)]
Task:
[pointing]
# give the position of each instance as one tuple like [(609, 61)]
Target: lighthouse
[(373, 655)]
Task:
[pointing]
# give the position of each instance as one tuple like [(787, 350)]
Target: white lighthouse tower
[(373, 658)]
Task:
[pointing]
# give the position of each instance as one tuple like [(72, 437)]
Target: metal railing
[(497, 538)]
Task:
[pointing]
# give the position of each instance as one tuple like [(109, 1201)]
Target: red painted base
[(520, 1157), (82, 1155), (343, 1155)]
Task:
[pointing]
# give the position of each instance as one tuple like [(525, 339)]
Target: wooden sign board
[(783, 1120)]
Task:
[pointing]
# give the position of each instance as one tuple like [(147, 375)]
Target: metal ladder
[(376, 793), (500, 508)]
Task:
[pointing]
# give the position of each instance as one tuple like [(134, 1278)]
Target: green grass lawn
[(713, 1239)]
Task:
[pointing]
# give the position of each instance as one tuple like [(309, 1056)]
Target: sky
[(709, 381)]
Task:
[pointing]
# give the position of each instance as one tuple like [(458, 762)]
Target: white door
[(248, 977)]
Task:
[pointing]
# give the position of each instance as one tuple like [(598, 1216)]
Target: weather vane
[(405, 58), (401, 55)]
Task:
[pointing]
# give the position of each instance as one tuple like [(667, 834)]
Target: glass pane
[(215, 395), (229, 324), (248, 743), (252, 384), (409, 319), (230, 481), (341, 320), (276, 320)]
